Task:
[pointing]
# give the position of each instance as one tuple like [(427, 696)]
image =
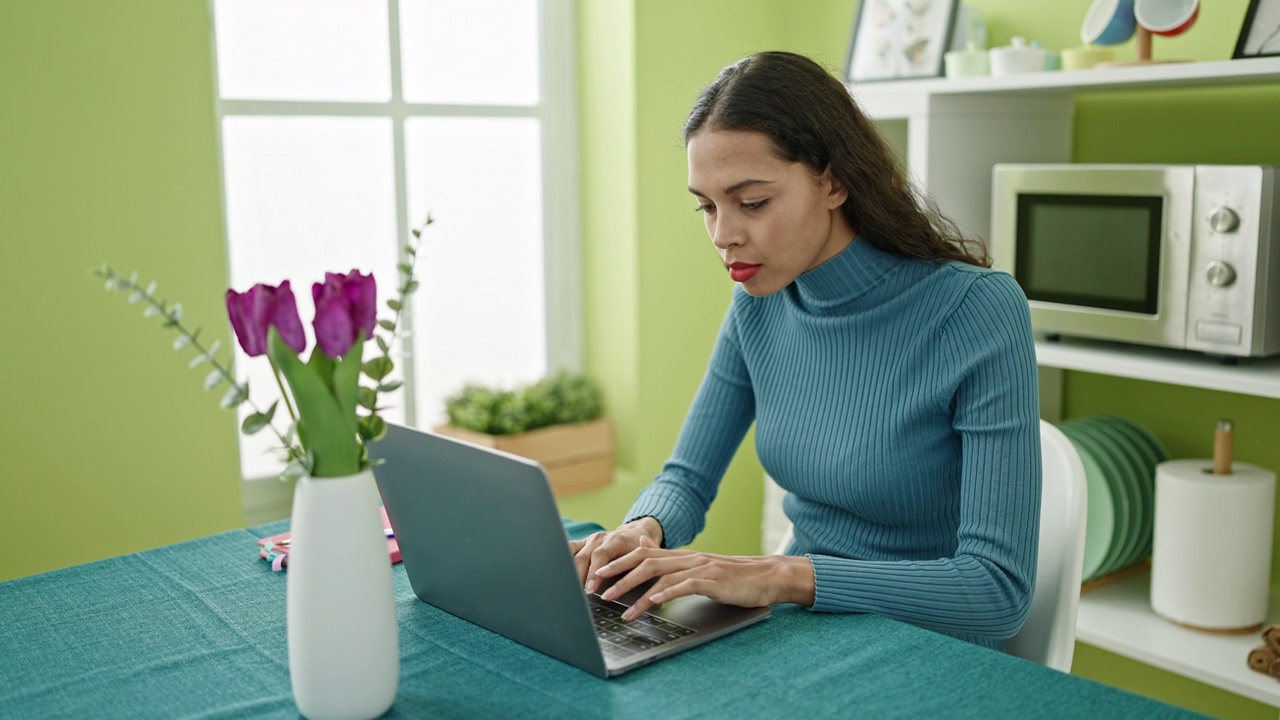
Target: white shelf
[(1119, 618), (1252, 376), (903, 98)]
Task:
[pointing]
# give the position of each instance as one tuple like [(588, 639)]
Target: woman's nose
[(726, 233)]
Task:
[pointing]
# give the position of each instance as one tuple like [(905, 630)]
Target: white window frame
[(557, 112)]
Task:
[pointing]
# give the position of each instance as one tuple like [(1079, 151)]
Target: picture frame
[(1260, 33), (899, 39)]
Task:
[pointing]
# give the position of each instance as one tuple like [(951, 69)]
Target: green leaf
[(213, 349), (151, 289), (135, 297), (327, 432), (257, 421), (175, 312), (346, 380), (382, 344), (378, 368), (391, 386), (411, 249), (197, 361), (367, 398), (212, 379), (394, 304), (181, 342), (150, 311), (235, 395), (405, 268), (372, 428), (387, 325), (410, 287)]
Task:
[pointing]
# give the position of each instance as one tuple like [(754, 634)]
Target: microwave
[(1176, 256)]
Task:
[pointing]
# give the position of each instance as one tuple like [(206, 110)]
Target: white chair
[(1048, 636)]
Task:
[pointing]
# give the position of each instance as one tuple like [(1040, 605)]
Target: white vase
[(344, 645)]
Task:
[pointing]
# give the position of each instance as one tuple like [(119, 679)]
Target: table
[(197, 629)]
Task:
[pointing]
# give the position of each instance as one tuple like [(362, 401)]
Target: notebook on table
[(481, 538)]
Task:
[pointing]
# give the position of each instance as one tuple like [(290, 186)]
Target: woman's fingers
[(582, 550)]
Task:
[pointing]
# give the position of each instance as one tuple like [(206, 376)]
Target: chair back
[(1048, 636)]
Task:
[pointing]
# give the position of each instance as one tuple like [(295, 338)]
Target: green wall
[(109, 155)]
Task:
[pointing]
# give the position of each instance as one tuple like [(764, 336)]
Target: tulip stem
[(283, 393)]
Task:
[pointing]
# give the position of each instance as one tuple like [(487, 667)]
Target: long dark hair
[(810, 117)]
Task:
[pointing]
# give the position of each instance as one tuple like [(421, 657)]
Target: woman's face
[(770, 219)]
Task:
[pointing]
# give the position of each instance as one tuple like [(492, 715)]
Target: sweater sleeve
[(722, 410), (986, 379)]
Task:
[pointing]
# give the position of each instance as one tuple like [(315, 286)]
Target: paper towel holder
[(1223, 447)]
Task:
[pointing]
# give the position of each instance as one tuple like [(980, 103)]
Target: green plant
[(332, 415), (564, 397)]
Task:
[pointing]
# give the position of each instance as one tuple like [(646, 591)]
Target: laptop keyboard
[(621, 640)]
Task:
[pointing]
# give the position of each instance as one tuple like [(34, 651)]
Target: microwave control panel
[(1234, 255)]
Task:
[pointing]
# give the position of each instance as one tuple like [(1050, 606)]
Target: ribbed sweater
[(896, 403)]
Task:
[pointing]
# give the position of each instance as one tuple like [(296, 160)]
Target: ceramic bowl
[(1083, 58), (970, 62), (1108, 22), (1166, 17), (1016, 58)]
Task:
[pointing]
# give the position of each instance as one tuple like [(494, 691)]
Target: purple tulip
[(252, 313), (345, 305)]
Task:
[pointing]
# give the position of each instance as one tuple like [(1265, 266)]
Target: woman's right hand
[(600, 549)]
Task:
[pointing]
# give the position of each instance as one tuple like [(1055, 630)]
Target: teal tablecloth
[(197, 630)]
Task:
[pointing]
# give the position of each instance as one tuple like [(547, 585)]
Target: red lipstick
[(742, 272)]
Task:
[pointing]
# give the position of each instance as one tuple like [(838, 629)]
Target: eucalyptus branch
[(371, 426), (238, 393)]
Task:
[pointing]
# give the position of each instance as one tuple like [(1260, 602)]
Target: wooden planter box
[(576, 456)]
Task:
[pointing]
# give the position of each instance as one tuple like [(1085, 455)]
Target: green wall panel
[(110, 445)]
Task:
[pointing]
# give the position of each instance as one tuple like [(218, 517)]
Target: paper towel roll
[(1211, 557)]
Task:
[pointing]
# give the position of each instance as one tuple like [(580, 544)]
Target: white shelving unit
[(1260, 377), (951, 133), (1118, 618)]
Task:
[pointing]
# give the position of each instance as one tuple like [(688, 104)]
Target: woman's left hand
[(733, 580)]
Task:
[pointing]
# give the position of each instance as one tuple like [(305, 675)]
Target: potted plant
[(557, 421)]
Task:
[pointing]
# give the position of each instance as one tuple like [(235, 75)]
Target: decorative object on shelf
[(1017, 57), (1120, 457), (1114, 22), (1211, 565), (343, 637), (557, 421), (1260, 33), (970, 62), (1266, 657), (899, 39), (1084, 58)]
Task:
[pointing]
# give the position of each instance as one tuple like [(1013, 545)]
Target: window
[(344, 123)]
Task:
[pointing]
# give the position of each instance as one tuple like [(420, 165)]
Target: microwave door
[(1099, 253)]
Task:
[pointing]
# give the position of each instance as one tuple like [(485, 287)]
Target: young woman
[(891, 376)]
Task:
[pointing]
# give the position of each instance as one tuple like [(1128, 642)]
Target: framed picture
[(1260, 34), (899, 39)]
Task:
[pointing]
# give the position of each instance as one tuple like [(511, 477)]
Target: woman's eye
[(707, 208), (754, 205)]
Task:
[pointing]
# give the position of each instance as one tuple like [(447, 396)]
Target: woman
[(891, 376)]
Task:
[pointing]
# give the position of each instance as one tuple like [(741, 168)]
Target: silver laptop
[(481, 538)]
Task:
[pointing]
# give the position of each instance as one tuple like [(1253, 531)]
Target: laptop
[(481, 538)]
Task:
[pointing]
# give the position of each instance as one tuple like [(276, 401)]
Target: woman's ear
[(836, 192)]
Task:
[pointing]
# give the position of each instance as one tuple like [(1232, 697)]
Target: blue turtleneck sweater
[(895, 401)]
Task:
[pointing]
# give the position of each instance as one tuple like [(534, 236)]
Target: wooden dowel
[(1144, 44), (1223, 438)]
